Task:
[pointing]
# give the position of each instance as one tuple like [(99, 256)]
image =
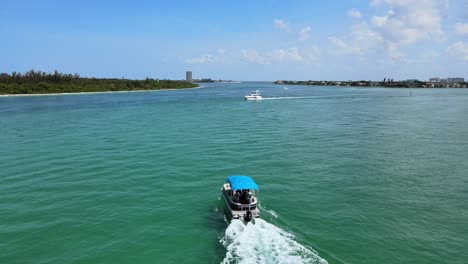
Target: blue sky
[(240, 40)]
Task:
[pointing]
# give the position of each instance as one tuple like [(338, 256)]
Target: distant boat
[(239, 196), (285, 88), (255, 95)]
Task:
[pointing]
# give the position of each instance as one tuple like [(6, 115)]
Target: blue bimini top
[(239, 182)]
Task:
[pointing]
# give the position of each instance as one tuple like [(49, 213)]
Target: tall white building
[(188, 76)]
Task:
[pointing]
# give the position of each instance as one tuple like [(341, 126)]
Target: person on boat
[(251, 198), (236, 197), (244, 197)]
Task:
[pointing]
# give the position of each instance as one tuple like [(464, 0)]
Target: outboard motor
[(248, 216)]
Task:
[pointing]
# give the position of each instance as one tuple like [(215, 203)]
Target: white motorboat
[(239, 196), (255, 95)]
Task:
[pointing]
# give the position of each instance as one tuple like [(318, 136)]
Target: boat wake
[(271, 212), (285, 98), (312, 97), (262, 242)]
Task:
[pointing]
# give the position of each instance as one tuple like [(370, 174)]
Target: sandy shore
[(104, 92)]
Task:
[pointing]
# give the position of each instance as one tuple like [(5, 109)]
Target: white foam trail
[(262, 242), (271, 212), (311, 97), (283, 98)]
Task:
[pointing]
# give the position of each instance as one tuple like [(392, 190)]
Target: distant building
[(188, 76), (448, 80), (455, 80)]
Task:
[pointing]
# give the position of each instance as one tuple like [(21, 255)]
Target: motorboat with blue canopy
[(239, 195), (242, 183)]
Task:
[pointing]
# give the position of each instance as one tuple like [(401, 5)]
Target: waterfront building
[(188, 76), (455, 80), (434, 79)]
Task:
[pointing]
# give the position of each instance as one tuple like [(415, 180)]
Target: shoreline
[(103, 92), (375, 84)]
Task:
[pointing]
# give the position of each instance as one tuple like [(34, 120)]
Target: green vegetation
[(389, 83), (38, 82)]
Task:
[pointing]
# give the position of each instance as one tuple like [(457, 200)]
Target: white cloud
[(204, 59), (354, 13), (459, 50), (344, 47), (221, 51), (429, 56), (292, 54), (394, 53), (363, 39), (304, 33), (312, 54), (208, 58), (379, 21), (408, 22), (404, 23), (461, 28), (365, 36), (251, 55), (360, 40), (281, 24)]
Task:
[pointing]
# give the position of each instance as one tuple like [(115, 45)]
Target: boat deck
[(255, 212)]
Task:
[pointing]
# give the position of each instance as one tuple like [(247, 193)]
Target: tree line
[(39, 82), (37, 76)]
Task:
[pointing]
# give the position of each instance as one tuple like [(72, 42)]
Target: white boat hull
[(253, 98)]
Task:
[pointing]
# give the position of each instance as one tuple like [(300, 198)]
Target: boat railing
[(243, 207)]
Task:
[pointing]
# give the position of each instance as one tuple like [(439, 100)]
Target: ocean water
[(346, 175)]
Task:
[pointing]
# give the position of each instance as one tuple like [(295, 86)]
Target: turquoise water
[(347, 175)]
